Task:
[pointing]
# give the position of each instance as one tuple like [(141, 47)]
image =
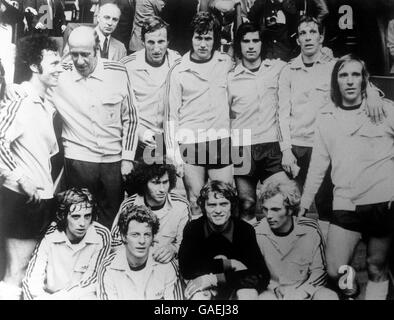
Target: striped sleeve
[(284, 110), (185, 217), (33, 285), (179, 285), (106, 289), (172, 104), (90, 276), (173, 286), (129, 123), (9, 131), (317, 271), (116, 239)]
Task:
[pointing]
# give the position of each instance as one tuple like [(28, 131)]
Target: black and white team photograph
[(215, 150)]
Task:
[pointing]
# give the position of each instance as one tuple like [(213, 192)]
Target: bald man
[(108, 18), (95, 101)]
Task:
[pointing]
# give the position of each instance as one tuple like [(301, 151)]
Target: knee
[(247, 203), (246, 294), (267, 295), (333, 270), (202, 295), (325, 294), (376, 266)]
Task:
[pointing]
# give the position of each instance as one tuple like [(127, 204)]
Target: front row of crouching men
[(219, 256)]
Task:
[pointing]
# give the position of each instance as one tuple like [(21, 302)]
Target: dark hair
[(309, 19), (70, 200), (243, 29), (203, 22), (29, 52), (138, 179), (218, 187), (289, 190), (138, 213), (152, 24), (336, 95)]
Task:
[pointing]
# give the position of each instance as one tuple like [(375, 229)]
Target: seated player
[(219, 254), (64, 264), (131, 273), (154, 184), (293, 250)]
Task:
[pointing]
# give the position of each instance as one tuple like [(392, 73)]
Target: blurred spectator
[(390, 43), (107, 21), (9, 17), (125, 24), (45, 15), (179, 14), (274, 17), (143, 9)]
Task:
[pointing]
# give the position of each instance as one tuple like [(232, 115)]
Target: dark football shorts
[(259, 160), (374, 220), (215, 154), (21, 220)]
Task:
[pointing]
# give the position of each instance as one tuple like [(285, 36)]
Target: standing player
[(26, 147), (197, 114), (253, 97), (361, 154)]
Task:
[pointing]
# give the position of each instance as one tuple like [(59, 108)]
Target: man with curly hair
[(155, 183), (65, 263), (293, 250), (219, 255), (131, 273), (26, 147)]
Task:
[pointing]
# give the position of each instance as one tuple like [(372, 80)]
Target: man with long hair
[(361, 155), (64, 264)]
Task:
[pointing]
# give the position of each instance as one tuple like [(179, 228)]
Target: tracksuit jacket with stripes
[(61, 270), (299, 265)]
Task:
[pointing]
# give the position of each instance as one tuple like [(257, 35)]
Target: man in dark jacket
[(219, 253), (125, 24)]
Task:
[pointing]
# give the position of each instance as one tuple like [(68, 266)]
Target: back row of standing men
[(186, 107)]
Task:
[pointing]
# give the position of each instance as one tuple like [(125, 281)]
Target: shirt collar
[(186, 64), (240, 68), (98, 72), (298, 63), (139, 200), (333, 109), (228, 233), (31, 92), (263, 228), (171, 57), (101, 36)]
